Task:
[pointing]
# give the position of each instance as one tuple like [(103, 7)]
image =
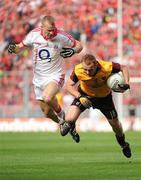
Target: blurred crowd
[(93, 22)]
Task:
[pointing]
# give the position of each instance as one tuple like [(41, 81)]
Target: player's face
[(90, 68), (48, 30)]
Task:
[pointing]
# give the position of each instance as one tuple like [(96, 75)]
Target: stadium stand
[(92, 22)]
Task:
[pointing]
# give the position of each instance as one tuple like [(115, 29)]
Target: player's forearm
[(72, 90), (18, 48), (78, 48), (125, 71), (15, 48)]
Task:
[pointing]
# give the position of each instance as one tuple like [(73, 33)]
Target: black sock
[(121, 139)]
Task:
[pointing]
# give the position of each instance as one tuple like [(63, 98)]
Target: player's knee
[(70, 119), (47, 99), (45, 110)]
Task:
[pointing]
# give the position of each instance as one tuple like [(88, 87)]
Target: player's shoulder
[(103, 62), (78, 69), (78, 66), (80, 72), (34, 33), (64, 34), (36, 30), (100, 61), (105, 66)]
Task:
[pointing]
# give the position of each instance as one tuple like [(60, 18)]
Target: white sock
[(61, 116)]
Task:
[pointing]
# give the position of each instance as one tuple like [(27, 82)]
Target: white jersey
[(47, 61)]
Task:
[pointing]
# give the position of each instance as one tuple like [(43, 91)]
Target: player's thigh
[(50, 90), (73, 113), (107, 107)]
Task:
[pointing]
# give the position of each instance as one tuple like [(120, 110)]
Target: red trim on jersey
[(68, 35), (35, 61), (61, 80), (23, 43)]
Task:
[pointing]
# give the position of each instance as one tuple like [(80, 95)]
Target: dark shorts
[(132, 112), (104, 104)]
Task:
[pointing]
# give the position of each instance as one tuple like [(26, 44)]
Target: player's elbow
[(123, 67), (78, 47)]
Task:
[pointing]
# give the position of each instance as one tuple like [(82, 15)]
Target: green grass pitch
[(48, 156)]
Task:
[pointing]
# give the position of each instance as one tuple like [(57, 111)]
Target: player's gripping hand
[(11, 48), (67, 52), (85, 101), (123, 87)]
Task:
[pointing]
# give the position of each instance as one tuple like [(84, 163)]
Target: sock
[(59, 110), (121, 139), (61, 114)]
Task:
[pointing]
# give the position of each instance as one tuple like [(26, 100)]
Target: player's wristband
[(67, 52)]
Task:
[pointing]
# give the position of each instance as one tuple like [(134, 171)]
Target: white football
[(114, 80)]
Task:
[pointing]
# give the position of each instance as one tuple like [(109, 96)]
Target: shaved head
[(48, 27), (48, 19)]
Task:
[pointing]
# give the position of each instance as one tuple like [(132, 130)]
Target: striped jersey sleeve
[(67, 39)]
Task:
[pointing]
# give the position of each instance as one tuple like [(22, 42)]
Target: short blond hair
[(49, 19)]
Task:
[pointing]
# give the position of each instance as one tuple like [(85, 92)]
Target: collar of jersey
[(46, 37)]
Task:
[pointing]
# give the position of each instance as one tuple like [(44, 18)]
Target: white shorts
[(39, 86)]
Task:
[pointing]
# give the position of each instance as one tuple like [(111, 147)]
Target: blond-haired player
[(50, 47)]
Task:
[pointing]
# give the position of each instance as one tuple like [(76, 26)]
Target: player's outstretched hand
[(85, 101), (67, 52), (11, 48)]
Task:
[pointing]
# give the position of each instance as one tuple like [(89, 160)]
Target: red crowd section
[(94, 23)]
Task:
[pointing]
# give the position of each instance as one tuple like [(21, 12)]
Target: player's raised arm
[(125, 71), (118, 67), (126, 85), (78, 47)]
